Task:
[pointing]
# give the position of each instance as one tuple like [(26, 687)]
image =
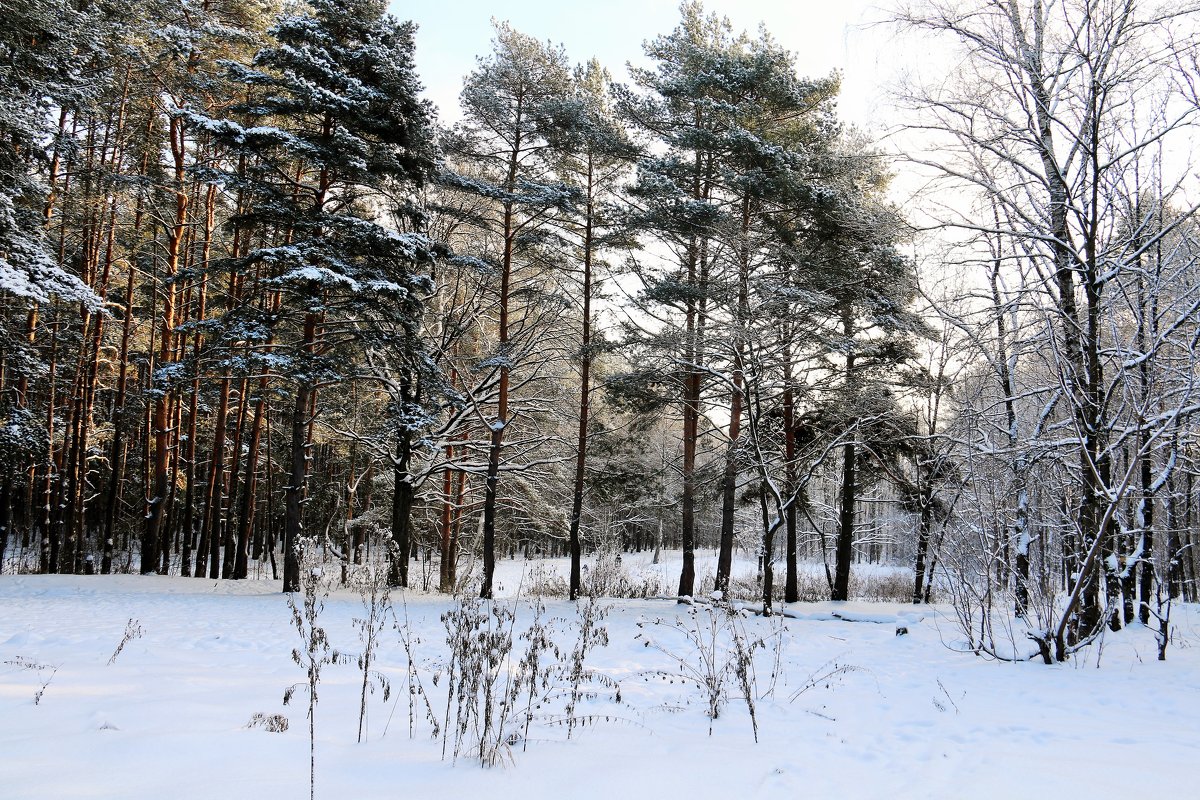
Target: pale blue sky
[(824, 34)]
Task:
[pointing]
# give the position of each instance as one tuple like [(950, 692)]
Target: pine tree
[(183, 57), (592, 154), (44, 49), (771, 172), (509, 104), (333, 123), (738, 126), (684, 105), (868, 332)]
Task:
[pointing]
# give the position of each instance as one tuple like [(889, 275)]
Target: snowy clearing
[(857, 711)]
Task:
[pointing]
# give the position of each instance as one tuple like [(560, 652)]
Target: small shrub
[(480, 638), (608, 576), (592, 633), (813, 587), (21, 662), (315, 652), (716, 654), (132, 631), (414, 685), (499, 681), (371, 583), (272, 723), (542, 580)]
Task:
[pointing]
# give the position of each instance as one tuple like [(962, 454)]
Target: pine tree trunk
[(489, 504), (74, 540), (6, 491), (62, 554), (496, 441), (402, 500), (791, 588), (729, 487), (845, 536), (691, 418), (729, 479), (693, 352), (211, 522), (1146, 501), (169, 538), (241, 565), (190, 498), (293, 527), (47, 544), (1189, 543), (849, 488), (691, 423), (585, 371), (24, 518), (246, 528), (229, 554), (152, 540), (446, 567)]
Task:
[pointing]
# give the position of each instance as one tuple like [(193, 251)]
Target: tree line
[(255, 296)]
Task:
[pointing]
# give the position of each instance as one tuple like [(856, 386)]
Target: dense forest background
[(254, 298)]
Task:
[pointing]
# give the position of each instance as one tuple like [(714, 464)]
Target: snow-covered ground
[(856, 711)]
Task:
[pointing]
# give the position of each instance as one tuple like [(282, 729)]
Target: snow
[(857, 711)]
